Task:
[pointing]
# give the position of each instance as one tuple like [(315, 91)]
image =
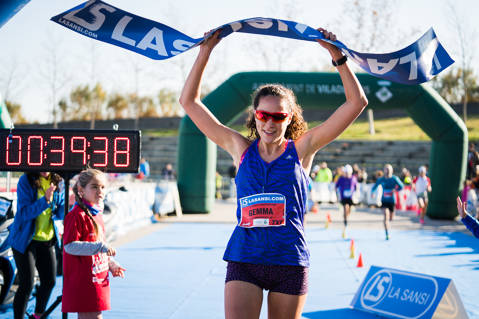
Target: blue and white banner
[(396, 293), (415, 64)]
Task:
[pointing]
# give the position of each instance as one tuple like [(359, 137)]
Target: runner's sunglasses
[(276, 117)]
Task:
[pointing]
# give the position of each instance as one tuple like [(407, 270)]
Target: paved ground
[(175, 268), (361, 217)]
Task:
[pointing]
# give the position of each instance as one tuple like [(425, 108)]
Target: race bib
[(388, 193), (348, 193), (263, 210)]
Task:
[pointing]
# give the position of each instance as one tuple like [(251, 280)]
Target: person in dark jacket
[(33, 236)]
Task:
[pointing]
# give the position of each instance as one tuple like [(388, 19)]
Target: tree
[(53, 72), (64, 108), (464, 32), (11, 78), (274, 53), (81, 99), (147, 107), (117, 106), (168, 102), (88, 104), (15, 111), (450, 86), (98, 97)]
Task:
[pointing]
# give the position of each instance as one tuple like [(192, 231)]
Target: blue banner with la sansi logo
[(415, 64), (401, 294)]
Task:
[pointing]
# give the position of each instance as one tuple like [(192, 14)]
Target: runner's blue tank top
[(274, 245)]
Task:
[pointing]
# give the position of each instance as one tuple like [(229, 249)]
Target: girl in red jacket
[(86, 257)]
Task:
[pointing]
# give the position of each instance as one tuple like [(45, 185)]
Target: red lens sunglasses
[(276, 117)]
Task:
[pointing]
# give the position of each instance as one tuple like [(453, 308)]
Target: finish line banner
[(415, 64)]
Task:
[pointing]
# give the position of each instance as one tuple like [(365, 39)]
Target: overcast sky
[(29, 40)]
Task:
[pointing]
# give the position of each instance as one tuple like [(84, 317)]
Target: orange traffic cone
[(328, 220), (360, 261), (351, 248)]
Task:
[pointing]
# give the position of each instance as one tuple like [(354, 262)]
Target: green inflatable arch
[(196, 163)]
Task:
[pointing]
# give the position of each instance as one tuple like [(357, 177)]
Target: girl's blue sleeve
[(472, 224), (28, 205)]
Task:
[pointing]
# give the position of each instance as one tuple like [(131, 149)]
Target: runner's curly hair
[(296, 128)]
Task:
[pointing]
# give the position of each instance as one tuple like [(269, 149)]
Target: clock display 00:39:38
[(69, 150)]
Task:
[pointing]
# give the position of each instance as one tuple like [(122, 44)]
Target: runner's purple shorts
[(291, 280)]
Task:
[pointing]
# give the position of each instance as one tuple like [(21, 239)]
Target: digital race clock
[(49, 150)]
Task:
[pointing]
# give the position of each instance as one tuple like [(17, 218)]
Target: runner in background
[(390, 184), (267, 249), (346, 186), (422, 186)]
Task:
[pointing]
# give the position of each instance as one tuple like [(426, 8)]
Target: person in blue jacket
[(267, 250), (390, 184), (33, 237), (470, 222)]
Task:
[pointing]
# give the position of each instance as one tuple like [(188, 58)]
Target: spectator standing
[(144, 169), (232, 175), (219, 185), (167, 172), (406, 176), (314, 172), (33, 236), (472, 161), (324, 174), (469, 196), (338, 172)]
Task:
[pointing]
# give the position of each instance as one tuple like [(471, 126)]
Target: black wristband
[(341, 61)]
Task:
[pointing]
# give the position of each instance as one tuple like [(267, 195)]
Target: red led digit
[(30, 149), (118, 151), (81, 150), (104, 151), (10, 143), (60, 150)]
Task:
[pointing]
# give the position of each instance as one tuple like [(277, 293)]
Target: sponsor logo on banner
[(402, 294), (384, 94), (415, 64)]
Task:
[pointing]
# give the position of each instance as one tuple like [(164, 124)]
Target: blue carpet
[(178, 271)]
